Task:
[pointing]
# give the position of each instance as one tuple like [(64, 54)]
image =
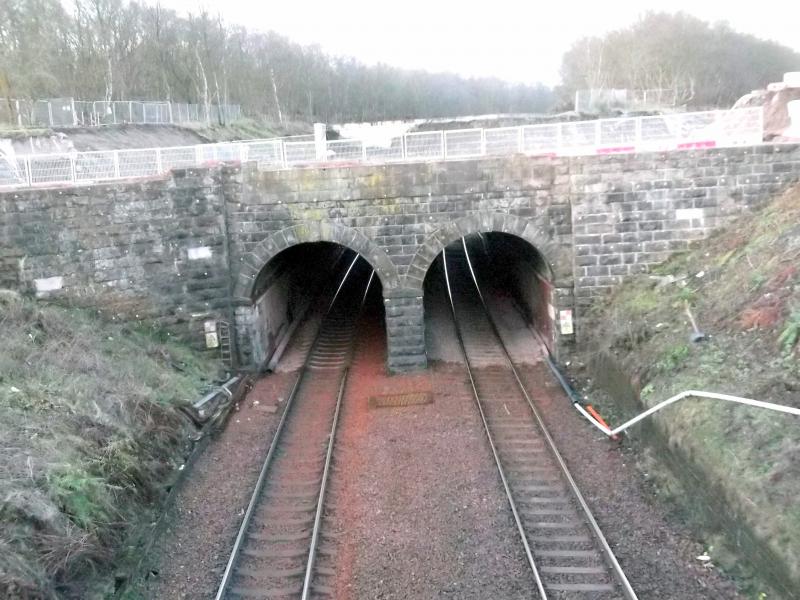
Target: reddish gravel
[(415, 508), (418, 507), (208, 510)]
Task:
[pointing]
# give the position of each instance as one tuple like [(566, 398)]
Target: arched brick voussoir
[(322, 231), (480, 222)]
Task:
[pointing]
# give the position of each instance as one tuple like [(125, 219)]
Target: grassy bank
[(90, 438), (743, 288)]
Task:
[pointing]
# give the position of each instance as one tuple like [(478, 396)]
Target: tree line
[(122, 50), (119, 50), (702, 64)]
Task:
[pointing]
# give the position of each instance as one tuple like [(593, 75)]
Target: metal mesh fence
[(393, 151), (67, 112), (666, 132), (425, 145)]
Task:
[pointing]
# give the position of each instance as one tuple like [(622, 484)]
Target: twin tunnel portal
[(234, 245), (300, 281)]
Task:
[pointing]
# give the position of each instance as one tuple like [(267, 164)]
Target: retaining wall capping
[(188, 247)]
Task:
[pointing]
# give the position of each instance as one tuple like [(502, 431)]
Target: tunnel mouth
[(514, 278), (296, 285)]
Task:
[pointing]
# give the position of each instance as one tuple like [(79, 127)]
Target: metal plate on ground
[(400, 400)]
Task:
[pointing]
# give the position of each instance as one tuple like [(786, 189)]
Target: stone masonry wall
[(400, 217), (630, 212), (145, 250), (186, 248)]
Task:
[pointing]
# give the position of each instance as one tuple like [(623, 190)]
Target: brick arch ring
[(478, 222), (318, 231)]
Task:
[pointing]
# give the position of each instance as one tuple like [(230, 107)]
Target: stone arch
[(480, 222), (317, 231)]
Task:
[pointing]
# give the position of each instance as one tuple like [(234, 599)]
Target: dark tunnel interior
[(509, 270), (296, 283)]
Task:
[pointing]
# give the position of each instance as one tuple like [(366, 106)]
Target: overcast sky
[(517, 41)]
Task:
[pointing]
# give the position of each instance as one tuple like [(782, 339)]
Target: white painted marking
[(211, 340), (199, 253), (48, 284), (565, 320)]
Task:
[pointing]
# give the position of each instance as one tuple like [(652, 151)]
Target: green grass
[(90, 438)]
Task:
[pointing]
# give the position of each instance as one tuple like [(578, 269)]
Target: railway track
[(568, 555), (275, 551)]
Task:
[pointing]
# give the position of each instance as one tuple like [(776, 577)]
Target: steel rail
[(608, 553), (262, 476), (500, 470), (315, 531)]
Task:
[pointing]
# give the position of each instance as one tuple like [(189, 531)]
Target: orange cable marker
[(590, 409)]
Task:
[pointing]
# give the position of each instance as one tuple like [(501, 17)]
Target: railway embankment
[(732, 471), (92, 436)]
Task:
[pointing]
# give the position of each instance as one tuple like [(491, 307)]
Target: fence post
[(559, 137), (483, 142), (363, 151), (169, 109), (520, 141), (320, 143), (19, 114), (282, 150), (50, 112), (403, 147), (73, 168), (74, 115), (597, 133), (444, 145), (116, 164), (638, 130), (28, 170), (159, 165)]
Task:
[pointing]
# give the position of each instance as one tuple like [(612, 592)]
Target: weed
[(81, 496), (687, 294), (757, 279), (673, 358), (791, 332), (642, 300)]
